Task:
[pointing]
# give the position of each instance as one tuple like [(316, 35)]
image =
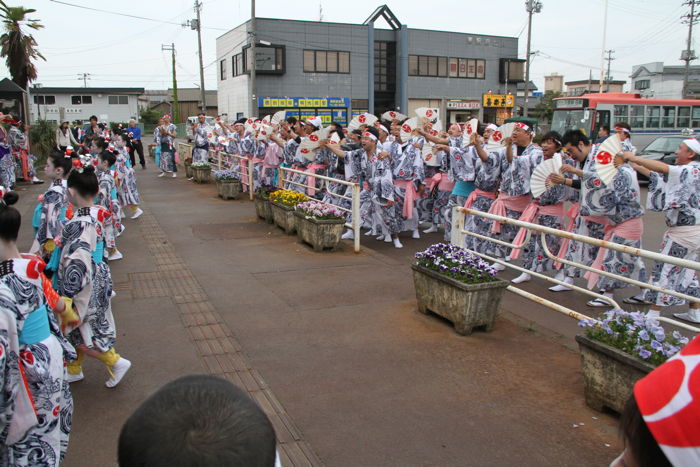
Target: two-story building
[(654, 80), (337, 70), (68, 104)]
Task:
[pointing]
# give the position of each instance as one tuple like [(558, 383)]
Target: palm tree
[(19, 48)]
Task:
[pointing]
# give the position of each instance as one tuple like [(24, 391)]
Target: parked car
[(661, 149)]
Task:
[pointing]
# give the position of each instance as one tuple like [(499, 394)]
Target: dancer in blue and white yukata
[(202, 133), (675, 191)]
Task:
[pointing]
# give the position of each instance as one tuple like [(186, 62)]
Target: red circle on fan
[(469, 130), (362, 119), (313, 138), (304, 151), (428, 157), (392, 114), (604, 157), (497, 136), (428, 113), (406, 128)]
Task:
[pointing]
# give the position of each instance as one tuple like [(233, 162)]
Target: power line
[(126, 14)]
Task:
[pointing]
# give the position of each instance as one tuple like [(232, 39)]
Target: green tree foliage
[(42, 139), (149, 116), (17, 47), (545, 109)]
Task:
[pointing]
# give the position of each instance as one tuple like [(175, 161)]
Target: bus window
[(653, 113), (683, 117), (636, 116), (621, 112), (668, 119), (575, 119), (696, 117), (602, 118)]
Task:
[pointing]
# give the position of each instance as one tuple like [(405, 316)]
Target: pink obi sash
[(503, 202), (272, 157), (410, 197), (572, 214), (475, 194), (441, 181), (631, 229), (311, 181), (529, 215)]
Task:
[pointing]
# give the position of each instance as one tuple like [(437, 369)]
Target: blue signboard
[(327, 115), (302, 102)]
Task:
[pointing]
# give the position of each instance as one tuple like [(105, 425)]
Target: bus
[(649, 118)]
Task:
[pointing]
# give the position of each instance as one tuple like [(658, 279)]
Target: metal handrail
[(458, 232), (354, 200)]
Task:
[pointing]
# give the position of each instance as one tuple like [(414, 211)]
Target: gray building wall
[(297, 36)]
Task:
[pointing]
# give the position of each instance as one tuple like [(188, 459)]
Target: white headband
[(693, 145), (491, 126), (619, 128), (382, 127), (369, 135)]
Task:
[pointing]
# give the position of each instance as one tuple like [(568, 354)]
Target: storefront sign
[(463, 105), (327, 115), (301, 102), (498, 100)]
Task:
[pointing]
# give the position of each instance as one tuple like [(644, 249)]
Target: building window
[(118, 100), (45, 100), (423, 65), (642, 84), (237, 61), (80, 100), (222, 71), (454, 66), (269, 59), (326, 61)]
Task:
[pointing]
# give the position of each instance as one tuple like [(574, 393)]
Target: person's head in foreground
[(197, 421), (661, 421)]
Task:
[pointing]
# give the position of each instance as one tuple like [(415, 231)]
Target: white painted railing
[(458, 234)]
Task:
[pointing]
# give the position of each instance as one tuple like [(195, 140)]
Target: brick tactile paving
[(214, 342)]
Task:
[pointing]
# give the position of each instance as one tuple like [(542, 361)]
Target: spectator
[(134, 133), (91, 130), (77, 130), (64, 137), (603, 133), (197, 420), (660, 421)]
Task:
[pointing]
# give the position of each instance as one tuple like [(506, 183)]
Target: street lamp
[(531, 6)]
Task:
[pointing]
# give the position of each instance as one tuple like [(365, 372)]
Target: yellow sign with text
[(498, 100)]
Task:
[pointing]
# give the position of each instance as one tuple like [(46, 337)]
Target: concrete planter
[(229, 189), (284, 217), (263, 208), (188, 169), (468, 306), (201, 175), (320, 234), (608, 374)]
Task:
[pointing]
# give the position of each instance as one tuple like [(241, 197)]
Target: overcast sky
[(122, 51)]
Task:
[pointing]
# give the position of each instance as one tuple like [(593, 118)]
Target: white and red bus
[(649, 118)]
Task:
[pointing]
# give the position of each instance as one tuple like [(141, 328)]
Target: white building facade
[(654, 80), (68, 104)]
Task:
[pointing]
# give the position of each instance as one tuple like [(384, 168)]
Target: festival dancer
[(620, 203), (202, 132), (7, 161), (319, 165), (84, 279), (409, 179), (20, 149), (486, 181), (624, 132), (127, 192), (167, 132), (675, 191), (107, 198), (37, 405), (518, 159), (54, 207), (546, 210), (579, 147)]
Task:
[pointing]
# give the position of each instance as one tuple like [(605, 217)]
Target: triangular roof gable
[(7, 85)]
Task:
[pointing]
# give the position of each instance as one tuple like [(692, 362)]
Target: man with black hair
[(198, 421), (92, 130), (579, 147), (603, 133)]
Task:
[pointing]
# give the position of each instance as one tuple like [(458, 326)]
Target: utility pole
[(196, 24), (253, 40), (607, 77), (532, 6), (176, 109), (602, 53), (688, 54), (84, 77)]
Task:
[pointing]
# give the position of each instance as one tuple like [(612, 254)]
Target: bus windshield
[(573, 119)]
